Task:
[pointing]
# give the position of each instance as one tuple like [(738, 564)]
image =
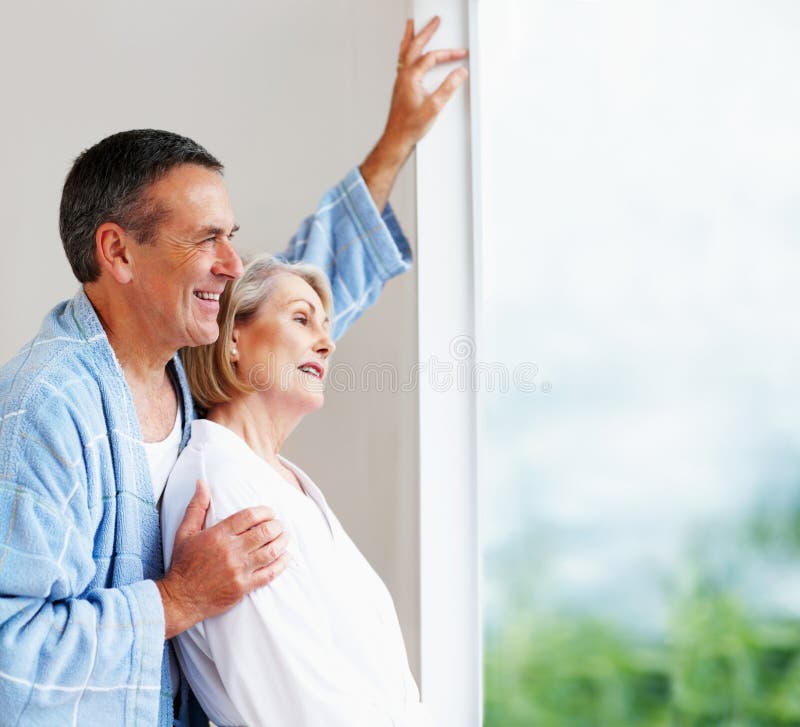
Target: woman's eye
[(301, 319)]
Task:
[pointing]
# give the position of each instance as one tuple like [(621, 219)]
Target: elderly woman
[(321, 645)]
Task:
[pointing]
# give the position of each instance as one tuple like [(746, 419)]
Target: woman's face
[(283, 349)]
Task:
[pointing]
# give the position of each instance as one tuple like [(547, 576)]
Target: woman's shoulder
[(235, 475), (206, 457), (202, 458)]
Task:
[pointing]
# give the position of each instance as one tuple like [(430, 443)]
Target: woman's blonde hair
[(212, 376)]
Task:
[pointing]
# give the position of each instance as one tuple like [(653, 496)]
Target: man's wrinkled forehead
[(196, 198)]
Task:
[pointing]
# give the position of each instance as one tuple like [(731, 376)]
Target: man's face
[(179, 277)]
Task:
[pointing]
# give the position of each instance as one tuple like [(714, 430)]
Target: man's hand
[(213, 569), (413, 109)]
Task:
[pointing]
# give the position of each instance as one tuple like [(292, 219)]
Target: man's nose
[(228, 262)]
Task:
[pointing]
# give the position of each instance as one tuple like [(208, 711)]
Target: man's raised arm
[(413, 110), (354, 235)]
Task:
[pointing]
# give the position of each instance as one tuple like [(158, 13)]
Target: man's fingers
[(273, 550), (418, 43), (195, 515), (260, 535), (270, 572), (435, 57), (449, 86), (408, 35), (243, 520)]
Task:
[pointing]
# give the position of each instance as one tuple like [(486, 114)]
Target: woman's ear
[(234, 345)]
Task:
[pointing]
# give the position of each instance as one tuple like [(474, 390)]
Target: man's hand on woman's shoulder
[(213, 568)]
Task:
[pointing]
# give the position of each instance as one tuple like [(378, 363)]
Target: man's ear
[(113, 248)]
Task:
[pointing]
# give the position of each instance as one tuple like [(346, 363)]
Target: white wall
[(288, 95)]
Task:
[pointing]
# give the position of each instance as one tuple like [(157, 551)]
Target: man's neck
[(144, 365), (142, 356)]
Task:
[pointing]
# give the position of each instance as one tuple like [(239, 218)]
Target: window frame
[(448, 226)]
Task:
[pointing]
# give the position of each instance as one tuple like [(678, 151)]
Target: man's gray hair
[(109, 182)]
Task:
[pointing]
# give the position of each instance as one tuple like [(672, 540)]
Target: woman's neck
[(261, 427)]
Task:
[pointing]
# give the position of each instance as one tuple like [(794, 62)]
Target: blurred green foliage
[(720, 661), (716, 667)]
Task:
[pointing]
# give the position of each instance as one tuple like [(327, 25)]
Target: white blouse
[(321, 645)]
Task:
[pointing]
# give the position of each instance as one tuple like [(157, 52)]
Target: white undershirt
[(161, 456)]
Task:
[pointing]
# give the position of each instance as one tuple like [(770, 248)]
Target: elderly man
[(96, 408)]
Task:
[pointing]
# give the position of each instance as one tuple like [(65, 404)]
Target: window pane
[(641, 246)]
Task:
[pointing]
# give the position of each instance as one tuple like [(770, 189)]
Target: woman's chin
[(311, 401)]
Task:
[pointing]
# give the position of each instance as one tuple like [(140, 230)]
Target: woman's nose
[(325, 346)]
